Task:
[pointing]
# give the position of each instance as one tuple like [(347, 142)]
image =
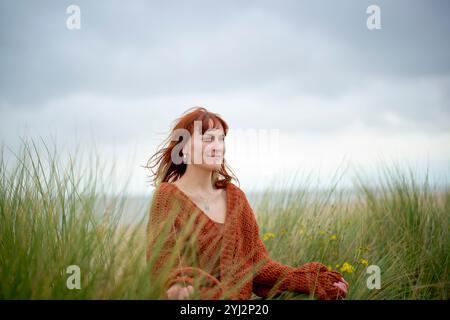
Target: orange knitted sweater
[(237, 254)]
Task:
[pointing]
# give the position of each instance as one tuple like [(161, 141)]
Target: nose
[(217, 149), (217, 152)]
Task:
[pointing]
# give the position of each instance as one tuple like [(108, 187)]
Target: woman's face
[(207, 150)]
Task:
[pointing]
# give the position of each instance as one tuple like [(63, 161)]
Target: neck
[(197, 179)]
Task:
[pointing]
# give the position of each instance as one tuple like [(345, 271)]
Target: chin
[(212, 167)]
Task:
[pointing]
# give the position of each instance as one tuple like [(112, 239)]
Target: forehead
[(214, 131), (213, 127)]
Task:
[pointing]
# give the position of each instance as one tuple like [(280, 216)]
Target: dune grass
[(51, 218)]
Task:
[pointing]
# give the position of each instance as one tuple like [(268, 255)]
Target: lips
[(216, 158)]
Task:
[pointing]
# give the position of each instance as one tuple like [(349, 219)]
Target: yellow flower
[(268, 235), (321, 232), (362, 249), (364, 262), (338, 265), (347, 267), (330, 268), (333, 237)]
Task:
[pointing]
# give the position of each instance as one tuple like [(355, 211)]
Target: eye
[(206, 138)]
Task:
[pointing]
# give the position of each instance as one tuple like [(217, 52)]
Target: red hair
[(167, 170)]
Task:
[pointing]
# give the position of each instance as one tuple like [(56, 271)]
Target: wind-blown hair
[(162, 167)]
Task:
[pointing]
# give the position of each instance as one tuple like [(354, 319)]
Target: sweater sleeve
[(162, 236), (166, 252), (272, 277)]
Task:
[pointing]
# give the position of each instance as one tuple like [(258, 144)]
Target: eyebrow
[(209, 134)]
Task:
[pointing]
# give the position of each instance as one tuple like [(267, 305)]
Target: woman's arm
[(272, 277), (167, 244), (163, 238)]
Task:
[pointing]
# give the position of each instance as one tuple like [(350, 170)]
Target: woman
[(202, 230)]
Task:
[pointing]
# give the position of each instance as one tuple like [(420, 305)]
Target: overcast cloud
[(310, 69)]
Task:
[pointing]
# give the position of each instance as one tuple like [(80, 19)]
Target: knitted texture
[(245, 264)]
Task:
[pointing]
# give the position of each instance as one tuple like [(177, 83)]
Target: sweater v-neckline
[(227, 195), (229, 231)]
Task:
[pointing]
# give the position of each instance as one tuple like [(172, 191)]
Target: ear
[(186, 147)]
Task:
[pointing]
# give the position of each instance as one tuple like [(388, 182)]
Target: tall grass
[(54, 215)]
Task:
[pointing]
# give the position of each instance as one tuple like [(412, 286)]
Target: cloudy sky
[(305, 86)]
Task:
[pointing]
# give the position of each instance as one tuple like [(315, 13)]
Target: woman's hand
[(342, 285), (179, 292)]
